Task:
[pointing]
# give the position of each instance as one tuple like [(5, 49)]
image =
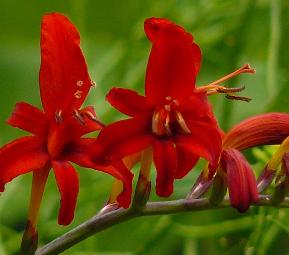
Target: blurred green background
[(230, 33)]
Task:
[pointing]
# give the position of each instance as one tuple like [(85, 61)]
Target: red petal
[(186, 160), (121, 139), (172, 66), (63, 69), (263, 129), (29, 118), (204, 141), (240, 178), (196, 106), (21, 156), (79, 156), (165, 160), (128, 101), (153, 25), (68, 185)]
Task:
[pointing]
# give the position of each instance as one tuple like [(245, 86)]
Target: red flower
[(173, 117), (56, 132)]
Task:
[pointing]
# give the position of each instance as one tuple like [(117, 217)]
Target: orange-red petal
[(64, 80), (29, 118), (128, 101), (121, 139), (171, 69), (263, 129), (204, 141), (186, 160), (21, 156), (79, 155), (68, 185), (165, 160), (240, 179), (153, 26)]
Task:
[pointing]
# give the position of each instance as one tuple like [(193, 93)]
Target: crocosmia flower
[(173, 118), (56, 133)]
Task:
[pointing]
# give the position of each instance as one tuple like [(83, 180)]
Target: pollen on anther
[(77, 94), (169, 98), (79, 83), (93, 83), (58, 116)]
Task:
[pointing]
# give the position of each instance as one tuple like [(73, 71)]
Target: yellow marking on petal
[(78, 94), (79, 83)]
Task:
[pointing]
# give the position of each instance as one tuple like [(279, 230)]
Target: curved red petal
[(240, 178), (128, 101), (186, 160), (68, 185), (153, 25), (121, 139), (79, 155), (204, 141), (197, 107), (263, 129), (29, 118), (173, 65), (64, 80), (165, 159), (21, 156)]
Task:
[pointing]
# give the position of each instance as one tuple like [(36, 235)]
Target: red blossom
[(56, 133), (173, 117)]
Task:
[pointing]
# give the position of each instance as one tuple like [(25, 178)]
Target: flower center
[(167, 120)]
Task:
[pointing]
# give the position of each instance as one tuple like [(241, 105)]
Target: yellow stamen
[(58, 116), (167, 126), (182, 123), (278, 155)]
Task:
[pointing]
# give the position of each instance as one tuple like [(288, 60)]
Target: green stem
[(104, 221)]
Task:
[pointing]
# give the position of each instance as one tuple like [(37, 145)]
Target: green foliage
[(230, 33)]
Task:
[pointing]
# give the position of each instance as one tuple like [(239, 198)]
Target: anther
[(240, 98), (77, 94), (230, 90), (167, 126), (92, 117), (182, 123), (92, 83), (78, 116), (58, 116), (155, 123), (169, 98)]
